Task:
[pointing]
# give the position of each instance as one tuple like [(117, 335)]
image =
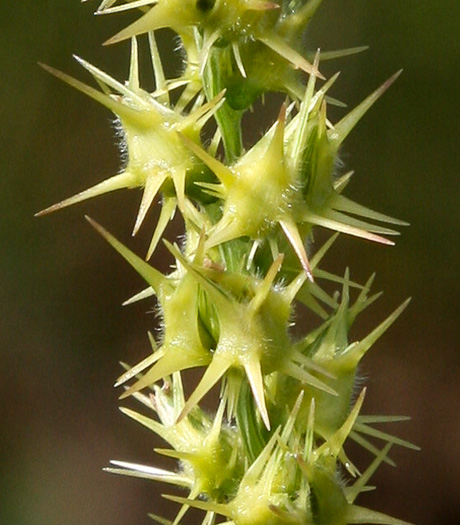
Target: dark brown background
[(63, 330)]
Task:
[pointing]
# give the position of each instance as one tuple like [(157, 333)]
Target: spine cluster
[(273, 452)]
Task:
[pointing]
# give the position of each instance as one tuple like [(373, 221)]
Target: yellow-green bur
[(209, 450), (234, 22), (314, 148), (256, 193), (182, 346), (156, 156), (328, 348)]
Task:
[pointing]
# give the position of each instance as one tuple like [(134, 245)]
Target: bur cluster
[(273, 452)]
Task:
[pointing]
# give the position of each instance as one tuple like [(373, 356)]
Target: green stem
[(228, 119), (254, 434)]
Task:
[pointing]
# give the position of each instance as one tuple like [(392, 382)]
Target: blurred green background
[(63, 330)]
